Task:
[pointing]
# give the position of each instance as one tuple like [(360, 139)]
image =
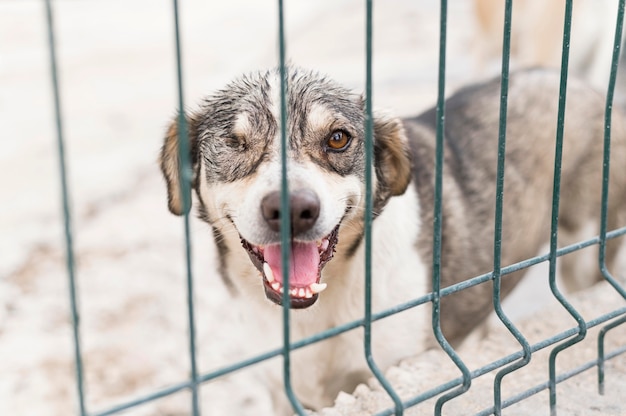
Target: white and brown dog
[(235, 154)]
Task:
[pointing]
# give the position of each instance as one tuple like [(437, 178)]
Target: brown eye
[(338, 140)]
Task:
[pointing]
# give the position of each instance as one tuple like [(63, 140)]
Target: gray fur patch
[(238, 129)]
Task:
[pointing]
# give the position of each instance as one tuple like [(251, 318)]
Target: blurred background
[(118, 91)]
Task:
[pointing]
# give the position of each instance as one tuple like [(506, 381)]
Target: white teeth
[(269, 274), (317, 287), (300, 292), (322, 244)]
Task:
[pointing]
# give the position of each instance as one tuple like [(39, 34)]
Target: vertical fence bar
[(369, 150), (497, 252), (69, 247), (186, 177), (582, 326), (601, 354), (619, 25), (285, 218), (617, 43), (436, 272)]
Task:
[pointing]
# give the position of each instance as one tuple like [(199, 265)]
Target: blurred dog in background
[(537, 36)]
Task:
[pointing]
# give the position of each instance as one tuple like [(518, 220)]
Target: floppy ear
[(170, 163), (392, 159)]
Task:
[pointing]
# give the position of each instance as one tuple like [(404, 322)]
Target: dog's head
[(235, 144)]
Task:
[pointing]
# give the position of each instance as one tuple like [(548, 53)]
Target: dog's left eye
[(339, 140)]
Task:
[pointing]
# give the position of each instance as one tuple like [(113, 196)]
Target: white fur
[(398, 275), (241, 200)]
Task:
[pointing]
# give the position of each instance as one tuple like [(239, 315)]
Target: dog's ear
[(392, 158), (170, 162)]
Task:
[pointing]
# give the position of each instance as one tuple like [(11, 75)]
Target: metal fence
[(453, 388)]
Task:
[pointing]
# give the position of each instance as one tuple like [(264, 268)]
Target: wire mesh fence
[(505, 366)]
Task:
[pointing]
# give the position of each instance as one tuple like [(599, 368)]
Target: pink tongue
[(305, 260)]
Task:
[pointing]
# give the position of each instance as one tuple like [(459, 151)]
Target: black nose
[(305, 209)]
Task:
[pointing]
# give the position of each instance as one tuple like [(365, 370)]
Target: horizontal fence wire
[(145, 399), (559, 379), (447, 291), (445, 391), (335, 331), (513, 357)]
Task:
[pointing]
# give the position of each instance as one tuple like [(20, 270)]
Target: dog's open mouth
[(307, 261)]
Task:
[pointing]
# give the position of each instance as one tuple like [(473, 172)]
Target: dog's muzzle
[(307, 258)]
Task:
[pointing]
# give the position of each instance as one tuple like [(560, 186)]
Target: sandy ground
[(117, 69), (575, 396)]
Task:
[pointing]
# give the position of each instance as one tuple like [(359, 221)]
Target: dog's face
[(235, 143)]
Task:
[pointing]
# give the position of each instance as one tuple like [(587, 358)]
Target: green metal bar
[(335, 331), (408, 403), (344, 328), (447, 291), (617, 43), (369, 150), (560, 378), (145, 399), (509, 359), (285, 218), (67, 218), (582, 332), (601, 356), (497, 252), (356, 324), (186, 178), (332, 332), (607, 150), (436, 272)]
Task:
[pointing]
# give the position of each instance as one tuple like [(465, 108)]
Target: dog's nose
[(305, 209)]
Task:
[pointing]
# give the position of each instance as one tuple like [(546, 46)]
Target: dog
[(234, 137), (537, 35)]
